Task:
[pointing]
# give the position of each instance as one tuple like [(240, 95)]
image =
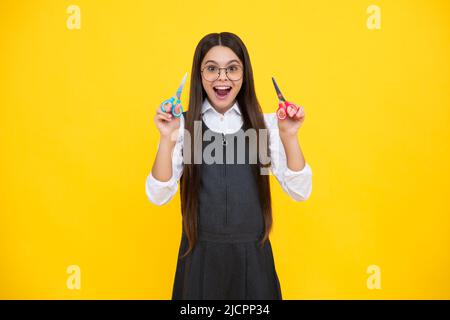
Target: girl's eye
[(212, 69)]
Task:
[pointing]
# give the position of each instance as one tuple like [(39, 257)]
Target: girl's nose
[(222, 74)]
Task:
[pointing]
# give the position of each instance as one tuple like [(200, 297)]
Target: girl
[(225, 252)]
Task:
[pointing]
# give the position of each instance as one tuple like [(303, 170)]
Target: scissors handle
[(285, 109), (170, 106), (176, 113), (281, 111)]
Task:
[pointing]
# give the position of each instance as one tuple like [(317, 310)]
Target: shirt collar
[(207, 106)]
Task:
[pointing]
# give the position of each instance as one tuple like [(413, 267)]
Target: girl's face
[(222, 92)]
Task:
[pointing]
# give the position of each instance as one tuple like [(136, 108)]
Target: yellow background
[(77, 142)]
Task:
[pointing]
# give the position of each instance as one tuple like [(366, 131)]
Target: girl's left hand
[(290, 125)]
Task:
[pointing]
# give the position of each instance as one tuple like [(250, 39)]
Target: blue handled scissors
[(173, 104)]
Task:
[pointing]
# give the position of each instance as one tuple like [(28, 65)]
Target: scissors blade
[(277, 89), (180, 88)]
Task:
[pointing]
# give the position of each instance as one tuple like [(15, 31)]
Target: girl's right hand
[(166, 123)]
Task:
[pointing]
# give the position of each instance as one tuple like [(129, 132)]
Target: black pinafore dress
[(227, 261)]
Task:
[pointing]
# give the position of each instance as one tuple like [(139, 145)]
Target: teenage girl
[(225, 252)]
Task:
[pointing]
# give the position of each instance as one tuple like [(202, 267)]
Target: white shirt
[(297, 184)]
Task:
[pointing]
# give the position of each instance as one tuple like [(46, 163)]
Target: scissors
[(173, 104), (285, 108)]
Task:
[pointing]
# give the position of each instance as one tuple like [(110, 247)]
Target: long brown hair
[(253, 118)]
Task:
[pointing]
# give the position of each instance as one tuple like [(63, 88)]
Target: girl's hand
[(167, 124), (289, 126)]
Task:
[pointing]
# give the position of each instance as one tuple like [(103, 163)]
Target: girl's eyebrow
[(217, 63)]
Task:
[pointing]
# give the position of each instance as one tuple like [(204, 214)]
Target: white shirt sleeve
[(161, 192), (297, 184)]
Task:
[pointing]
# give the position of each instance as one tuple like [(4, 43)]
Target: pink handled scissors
[(173, 105), (285, 108)]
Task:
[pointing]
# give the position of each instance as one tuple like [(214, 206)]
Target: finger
[(291, 110), (281, 113), (300, 113), (165, 110), (177, 108), (162, 117), (159, 110), (168, 115), (167, 107)]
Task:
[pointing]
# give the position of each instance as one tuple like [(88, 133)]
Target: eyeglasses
[(212, 73)]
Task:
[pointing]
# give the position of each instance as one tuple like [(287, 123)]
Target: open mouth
[(222, 91)]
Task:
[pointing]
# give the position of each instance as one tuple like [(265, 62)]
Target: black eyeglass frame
[(226, 73)]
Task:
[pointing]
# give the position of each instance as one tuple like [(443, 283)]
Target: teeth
[(222, 88)]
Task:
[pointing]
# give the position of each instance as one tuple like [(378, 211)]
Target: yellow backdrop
[(79, 84)]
